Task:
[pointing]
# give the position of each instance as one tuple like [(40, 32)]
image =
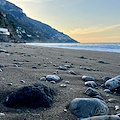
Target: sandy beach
[(47, 60)]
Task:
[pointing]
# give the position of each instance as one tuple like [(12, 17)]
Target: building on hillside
[(4, 33)]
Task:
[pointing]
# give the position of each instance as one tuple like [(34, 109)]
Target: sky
[(87, 21)]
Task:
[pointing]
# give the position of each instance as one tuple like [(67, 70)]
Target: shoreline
[(82, 46), (47, 60)]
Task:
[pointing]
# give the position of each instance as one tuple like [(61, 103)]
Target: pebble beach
[(22, 65)]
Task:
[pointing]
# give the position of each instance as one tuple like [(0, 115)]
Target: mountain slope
[(31, 30), (6, 25)]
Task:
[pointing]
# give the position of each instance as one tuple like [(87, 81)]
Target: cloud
[(94, 29)]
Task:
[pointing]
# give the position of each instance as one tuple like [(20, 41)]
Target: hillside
[(30, 30), (7, 26)]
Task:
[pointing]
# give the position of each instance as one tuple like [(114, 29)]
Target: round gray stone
[(68, 66), (107, 91), (113, 83), (113, 100), (72, 72), (91, 84), (43, 79), (67, 82), (63, 68), (91, 92), (53, 78), (87, 107), (87, 78), (63, 85), (2, 114)]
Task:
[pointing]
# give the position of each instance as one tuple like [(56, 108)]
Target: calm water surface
[(106, 47)]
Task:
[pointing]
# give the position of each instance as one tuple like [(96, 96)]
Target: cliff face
[(7, 29), (30, 30)]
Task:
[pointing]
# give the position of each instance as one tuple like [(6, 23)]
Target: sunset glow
[(84, 20)]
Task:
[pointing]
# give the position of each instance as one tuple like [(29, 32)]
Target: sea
[(105, 47)]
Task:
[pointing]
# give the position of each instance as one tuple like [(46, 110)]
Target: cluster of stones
[(97, 109), (39, 95)]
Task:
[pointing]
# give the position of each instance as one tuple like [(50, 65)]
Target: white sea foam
[(106, 47)]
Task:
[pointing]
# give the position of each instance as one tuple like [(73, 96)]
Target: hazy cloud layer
[(94, 29)]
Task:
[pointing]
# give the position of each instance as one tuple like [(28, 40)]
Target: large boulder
[(87, 107), (35, 95), (104, 117), (113, 83)]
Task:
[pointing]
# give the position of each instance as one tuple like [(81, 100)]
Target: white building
[(4, 31)]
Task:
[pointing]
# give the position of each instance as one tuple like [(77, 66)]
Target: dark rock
[(67, 82), (43, 79), (72, 72), (86, 68), (87, 107), (19, 63), (66, 62), (55, 73), (1, 66), (91, 92), (55, 65), (82, 57), (103, 62), (106, 78), (34, 67), (118, 91), (2, 50), (62, 68), (22, 81), (10, 84), (35, 95)]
